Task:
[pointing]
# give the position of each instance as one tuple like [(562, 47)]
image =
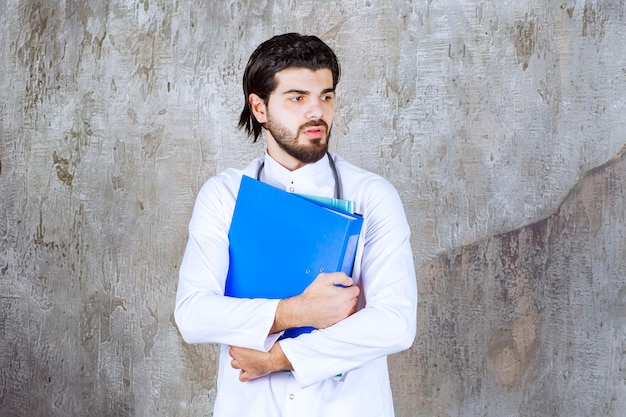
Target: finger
[(356, 290), (342, 280)]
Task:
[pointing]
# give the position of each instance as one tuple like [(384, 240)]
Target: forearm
[(288, 315), (212, 318), (279, 361), (255, 364), (369, 334)]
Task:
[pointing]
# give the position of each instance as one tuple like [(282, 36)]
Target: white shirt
[(356, 347)]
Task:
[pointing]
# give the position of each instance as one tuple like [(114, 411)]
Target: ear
[(259, 109)]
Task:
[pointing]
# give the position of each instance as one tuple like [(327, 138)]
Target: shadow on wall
[(534, 318)]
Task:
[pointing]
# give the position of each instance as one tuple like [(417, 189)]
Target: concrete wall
[(487, 116)]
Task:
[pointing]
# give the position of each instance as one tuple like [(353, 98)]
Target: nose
[(314, 110)]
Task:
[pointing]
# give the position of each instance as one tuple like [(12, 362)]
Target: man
[(341, 368)]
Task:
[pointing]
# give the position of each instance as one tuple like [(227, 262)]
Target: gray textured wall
[(487, 116)]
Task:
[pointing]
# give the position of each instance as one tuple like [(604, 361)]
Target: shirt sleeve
[(202, 313), (386, 323)]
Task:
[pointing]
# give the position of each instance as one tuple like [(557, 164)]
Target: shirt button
[(291, 189), (291, 396)]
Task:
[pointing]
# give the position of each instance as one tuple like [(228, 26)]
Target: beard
[(308, 153)]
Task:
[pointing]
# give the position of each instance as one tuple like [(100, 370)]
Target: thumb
[(341, 280)]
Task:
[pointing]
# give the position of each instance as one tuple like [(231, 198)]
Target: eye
[(295, 98), (327, 97)]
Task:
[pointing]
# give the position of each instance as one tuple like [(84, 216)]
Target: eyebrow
[(306, 92)]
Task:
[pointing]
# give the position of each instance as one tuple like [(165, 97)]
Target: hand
[(255, 364), (330, 298)]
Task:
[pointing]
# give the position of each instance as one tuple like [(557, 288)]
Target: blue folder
[(279, 243)]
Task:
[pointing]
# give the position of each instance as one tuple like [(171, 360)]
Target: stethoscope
[(333, 168)]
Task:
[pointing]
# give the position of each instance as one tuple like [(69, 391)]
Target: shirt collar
[(315, 179)]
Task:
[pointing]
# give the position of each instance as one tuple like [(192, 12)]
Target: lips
[(316, 132)]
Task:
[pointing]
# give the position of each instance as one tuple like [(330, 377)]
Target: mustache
[(314, 123)]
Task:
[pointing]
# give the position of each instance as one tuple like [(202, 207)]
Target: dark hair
[(276, 54)]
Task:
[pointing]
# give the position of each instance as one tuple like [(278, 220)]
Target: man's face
[(299, 115)]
